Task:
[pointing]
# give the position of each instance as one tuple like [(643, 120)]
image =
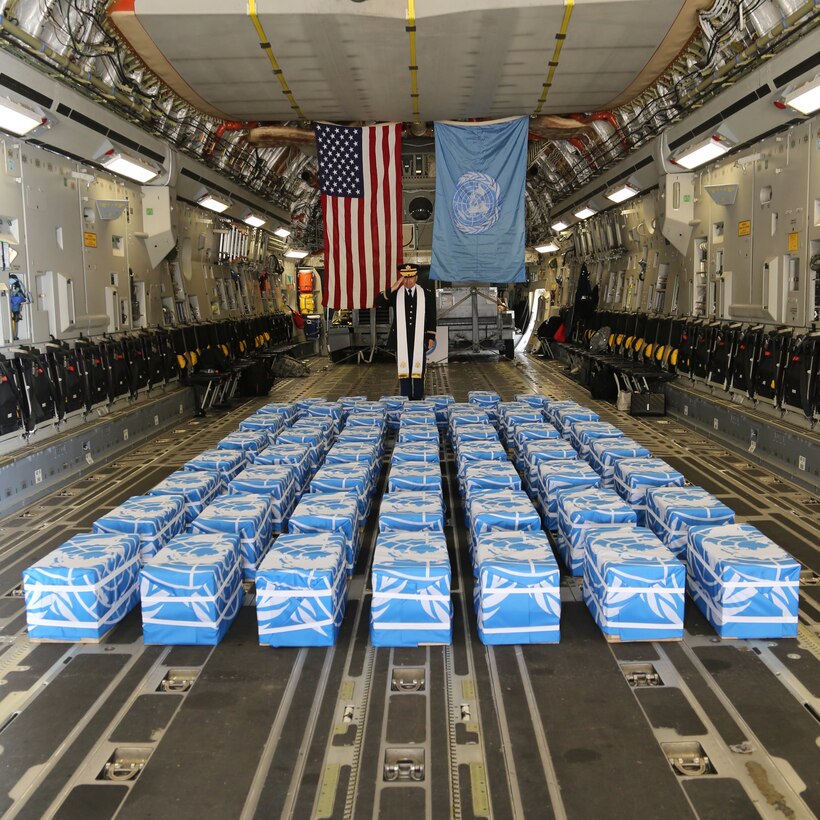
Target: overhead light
[(17, 118), (559, 226), (296, 254), (549, 247), (284, 233), (702, 152), (212, 202), (621, 194), (127, 165), (806, 98), (585, 212), (250, 218)]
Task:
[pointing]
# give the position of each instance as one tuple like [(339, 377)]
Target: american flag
[(360, 180)]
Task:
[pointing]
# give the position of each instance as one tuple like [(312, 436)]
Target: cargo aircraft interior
[(408, 409)]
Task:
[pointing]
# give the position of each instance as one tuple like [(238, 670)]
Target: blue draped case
[(82, 589), (559, 475), (411, 512), (583, 433), (490, 475), (246, 515), (197, 488), (415, 478), (744, 583), (634, 476), (517, 597), (605, 453), (191, 592), (301, 589), (494, 510), (330, 512), (276, 482), (297, 455), (154, 518), (356, 478), (247, 441), (411, 602), (227, 464), (581, 512), (415, 452), (633, 585), (671, 511)]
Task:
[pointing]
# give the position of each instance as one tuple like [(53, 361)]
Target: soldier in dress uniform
[(413, 332)]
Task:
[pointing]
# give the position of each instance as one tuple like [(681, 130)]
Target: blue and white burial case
[(82, 589), (411, 602), (517, 597), (246, 515), (633, 585), (301, 589), (154, 518), (744, 583), (191, 592)]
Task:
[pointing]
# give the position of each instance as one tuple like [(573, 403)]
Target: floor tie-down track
[(580, 729)]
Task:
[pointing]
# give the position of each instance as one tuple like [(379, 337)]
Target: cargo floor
[(503, 732)]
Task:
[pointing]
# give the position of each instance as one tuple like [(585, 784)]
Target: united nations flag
[(478, 230)]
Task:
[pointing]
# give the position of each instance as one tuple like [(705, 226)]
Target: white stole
[(418, 334)]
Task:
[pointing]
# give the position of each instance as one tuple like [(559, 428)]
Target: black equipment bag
[(687, 341), (257, 376), (134, 350), (152, 358), (115, 366), (721, 355), (66, 377), (647, 404), (768, 381), (744, 359), (35, 385), (602, 385), (11, 401), (92, 372), (801, 372), (701, 350)]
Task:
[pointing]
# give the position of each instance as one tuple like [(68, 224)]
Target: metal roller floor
[(244, 731)]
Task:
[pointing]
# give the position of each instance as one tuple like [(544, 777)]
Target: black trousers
[(412, 388)]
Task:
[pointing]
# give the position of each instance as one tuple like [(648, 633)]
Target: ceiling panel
[(349, 61)]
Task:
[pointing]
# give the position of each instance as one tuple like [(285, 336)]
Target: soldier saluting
[(413, 331)]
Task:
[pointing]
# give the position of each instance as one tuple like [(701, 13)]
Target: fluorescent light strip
[(296, 254), (621, 194), (282, 232), (18, 119), (549, 247), (701, 153), (253, 220), (585, 213), (559, 226), (213, 204), (805, 99), (118, 163)]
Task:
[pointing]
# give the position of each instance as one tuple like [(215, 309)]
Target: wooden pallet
[(98, 640)]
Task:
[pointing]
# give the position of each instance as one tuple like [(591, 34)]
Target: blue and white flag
[(478, 230)]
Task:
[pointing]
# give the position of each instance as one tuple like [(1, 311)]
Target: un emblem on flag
[(476, 203)]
